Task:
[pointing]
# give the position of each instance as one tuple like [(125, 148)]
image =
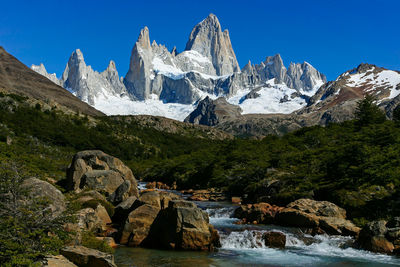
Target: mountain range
[(168, 83), (204, 85)]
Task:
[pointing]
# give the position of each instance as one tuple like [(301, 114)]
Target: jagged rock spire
[(208, 39), (137, 80)]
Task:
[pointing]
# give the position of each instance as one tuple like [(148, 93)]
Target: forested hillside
[(354, 164)]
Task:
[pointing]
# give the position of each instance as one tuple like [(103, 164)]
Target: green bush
[(89, 240)]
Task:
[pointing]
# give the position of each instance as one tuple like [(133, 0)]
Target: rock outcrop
[(381, 236), (263, 213), (307, 213), (96, 170), (274, 239), (211, 112), (182, 225), (42, 189), (83, 256), (138, 217), (58, 261), (137, 225)]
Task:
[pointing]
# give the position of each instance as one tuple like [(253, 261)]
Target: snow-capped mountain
[(42, 70), (170, 84)]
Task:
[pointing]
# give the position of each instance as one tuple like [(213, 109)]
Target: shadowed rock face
[(211, 112), (17, 78), (182, 226)]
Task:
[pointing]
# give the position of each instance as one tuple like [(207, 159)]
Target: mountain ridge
[(162, 80)]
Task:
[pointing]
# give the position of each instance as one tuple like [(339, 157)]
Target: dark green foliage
[(28, 229), (89, 240), (367, 112), (355, 164), (396, 114)]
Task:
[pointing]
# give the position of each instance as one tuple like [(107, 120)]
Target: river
[(242, 246)]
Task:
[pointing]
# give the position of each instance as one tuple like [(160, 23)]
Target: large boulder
[(308, 213), (87, 257), (99, 171), (182, 225), (39, 188), (136, 216), (121, 193), (137, 225), (274, 239), (373, 237), (260, 213), (58, 261)]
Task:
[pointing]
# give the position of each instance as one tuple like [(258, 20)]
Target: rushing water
[(242, 246)]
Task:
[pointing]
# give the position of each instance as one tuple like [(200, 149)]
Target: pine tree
[(368, 112)]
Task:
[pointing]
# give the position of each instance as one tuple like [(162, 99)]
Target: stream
[(242, 246)]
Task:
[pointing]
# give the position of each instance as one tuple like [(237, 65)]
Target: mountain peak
[(208, 39), (111, 66), (144, 38), (76, 58), (211, 20)]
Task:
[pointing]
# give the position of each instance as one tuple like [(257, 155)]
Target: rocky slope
[(335, 101), (17, 78)]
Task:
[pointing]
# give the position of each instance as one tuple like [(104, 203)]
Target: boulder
[(182, 226), (263, 213), (58, 261), (89, 219), (372, 237), (317, 215), (39, 188), (83, 256), (166, 197), (97, 170), (157, 185), (137, 225), (103, 181), (121, 193), (151, 198), (236, 200), (123, 209), (274, 239), (90, 195), (296, 218), (318, 208)]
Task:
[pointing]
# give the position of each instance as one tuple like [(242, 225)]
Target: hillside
[(18, 79)]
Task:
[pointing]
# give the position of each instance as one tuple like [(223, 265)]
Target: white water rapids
[(245, 245)]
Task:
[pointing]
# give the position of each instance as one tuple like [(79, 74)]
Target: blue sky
[(334, 36)]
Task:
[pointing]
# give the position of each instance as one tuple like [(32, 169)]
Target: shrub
[(89, 240)]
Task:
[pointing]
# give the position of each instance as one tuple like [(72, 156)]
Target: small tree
[(28, 228), (368, 112)]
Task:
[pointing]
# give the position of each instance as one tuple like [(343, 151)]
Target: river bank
[(242, 245)]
